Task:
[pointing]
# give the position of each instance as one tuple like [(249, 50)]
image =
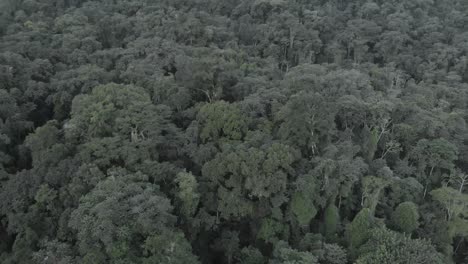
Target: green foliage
[(242, 174), (284, 254), (406, 217), (168, 247), (112, 109), (325, 252), (134, 130), (331, 220), (187, 193), (301, 123), (221, 120), (251, 255), (435, 154), (228, 243), (333, 254), (46, 146), (55, 252), (373, 141), (102, 222), (371, 188), (270, 230), (455, 203), (302, 208), (385, 246), (358, 230)]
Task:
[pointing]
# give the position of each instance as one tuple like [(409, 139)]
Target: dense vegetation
[(234, 131)]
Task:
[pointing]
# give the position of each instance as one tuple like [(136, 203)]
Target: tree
[(385, 246), (221, 120), (333, 254), (325, 252), (371, 189), (359, 35), (303, 208), (119, 123), (229, 244), (406, 217), (358, 230), (270, 230), (284, 254), (438, 153), (251, 255), (304, 120), (68, 84), (455, 202), (134, 130), (42, 144), (331, 222), (55, 252), (168, 247), (103, 225), (113, 110), (338, 171), (187, 193), (241, 175)]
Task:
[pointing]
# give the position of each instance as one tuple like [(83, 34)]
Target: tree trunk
[(427, 182)]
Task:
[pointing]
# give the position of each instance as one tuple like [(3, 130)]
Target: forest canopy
[(234, 131)]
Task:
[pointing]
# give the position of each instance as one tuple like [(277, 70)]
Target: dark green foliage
[(270, 230), (333, 254), (187, 193), (233, 131), (250, 255), (283, 254), (302, 208), (121, 210), (331, 221), (406, 216), (358, 231), (385, 246), (243, 175), (221, 120), (168, 247)]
